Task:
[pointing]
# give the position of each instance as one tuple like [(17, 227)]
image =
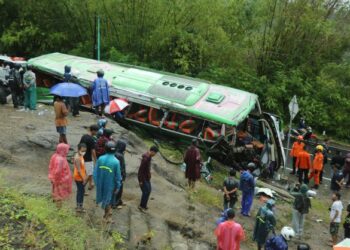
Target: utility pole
[(98, 38), (94, 48)]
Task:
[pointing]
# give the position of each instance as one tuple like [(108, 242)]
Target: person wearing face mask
[(80, 176)]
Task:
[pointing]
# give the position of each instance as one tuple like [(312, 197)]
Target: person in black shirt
[(346, 224), (90, 155), (337, 178), (338, 159), (230, 190), (117, 199)]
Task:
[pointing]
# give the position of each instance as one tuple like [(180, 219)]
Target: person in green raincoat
[(265, 219), (29, 83)]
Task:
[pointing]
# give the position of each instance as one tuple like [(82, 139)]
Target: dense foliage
[(275, 48)]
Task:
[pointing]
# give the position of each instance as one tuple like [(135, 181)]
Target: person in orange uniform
[(317, 166), (303, 164), (79, 176), (296, 149)]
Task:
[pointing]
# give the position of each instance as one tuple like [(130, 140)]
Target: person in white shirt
[(335, 216)]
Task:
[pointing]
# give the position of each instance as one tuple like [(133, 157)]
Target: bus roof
[(198, 97)]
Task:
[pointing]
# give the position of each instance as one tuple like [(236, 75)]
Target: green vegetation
[(35, 222), (273, 48)]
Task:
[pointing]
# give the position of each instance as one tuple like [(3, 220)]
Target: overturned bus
[(229, 122)]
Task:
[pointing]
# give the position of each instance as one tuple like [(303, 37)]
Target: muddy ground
[(174, 219)]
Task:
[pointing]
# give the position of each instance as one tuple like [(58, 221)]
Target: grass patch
[(65, 229), (207, 196)]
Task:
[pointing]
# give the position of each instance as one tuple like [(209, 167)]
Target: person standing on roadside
[(73, 101), (107, 179), (346, 171), (90, 156), (265, 218), (247, 186), (346, 224), (229, 233), (337, 178), (117, 199), (193, 164), (296, 149), (80, 176), (61, 122), (230, 190), (317, 166), (29, 83), (100, 93), (303, 164), (335, 216), (144, 177), (301, 207), (60, 175), (102, 141)]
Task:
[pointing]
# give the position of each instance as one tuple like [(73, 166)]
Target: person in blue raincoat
[(265, 218), (247, 186), (280, 242), (100, 93), (107, 179)]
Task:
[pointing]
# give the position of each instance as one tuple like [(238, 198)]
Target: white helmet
[(287, 233)]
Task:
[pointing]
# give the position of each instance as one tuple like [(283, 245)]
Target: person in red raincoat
[(60, 174), (229, 234), (193, 164)]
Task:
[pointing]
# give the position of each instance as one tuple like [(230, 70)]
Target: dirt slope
[(174, 220)]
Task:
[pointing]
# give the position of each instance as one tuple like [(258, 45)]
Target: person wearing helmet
[(229, 233), (108, 179), (144, 177), (247, 186), (265, 218), (303, 246), (303, 164), (301, 206), (280, 242), (317, 166), (29, 83), (308, 134), (101, 123), (296, 148), (100, 93)]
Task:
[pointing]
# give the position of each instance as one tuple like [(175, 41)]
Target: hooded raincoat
[(107, 179), (60, 174), (100, 92)]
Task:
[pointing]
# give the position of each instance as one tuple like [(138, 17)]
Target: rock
[(30, 127)]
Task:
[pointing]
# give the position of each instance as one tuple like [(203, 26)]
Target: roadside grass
[(66, 230), (207, 196)]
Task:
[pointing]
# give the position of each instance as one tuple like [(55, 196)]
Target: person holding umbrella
[(100, 93), (73, 101)]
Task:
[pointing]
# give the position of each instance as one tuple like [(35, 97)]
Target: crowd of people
[(22, 83), (99, 163)]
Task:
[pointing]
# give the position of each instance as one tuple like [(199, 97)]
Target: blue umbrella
[(68, 89)]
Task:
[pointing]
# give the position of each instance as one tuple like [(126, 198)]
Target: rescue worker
[(107, 179), (247, 186), (265, 218), (29, 83), (100, 93), (317, 166), (280, 242), (296, 148), (303, 164)]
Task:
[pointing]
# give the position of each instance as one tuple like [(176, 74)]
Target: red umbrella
[(116, 105)]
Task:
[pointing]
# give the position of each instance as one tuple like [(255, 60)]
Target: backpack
[(302, 204)]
